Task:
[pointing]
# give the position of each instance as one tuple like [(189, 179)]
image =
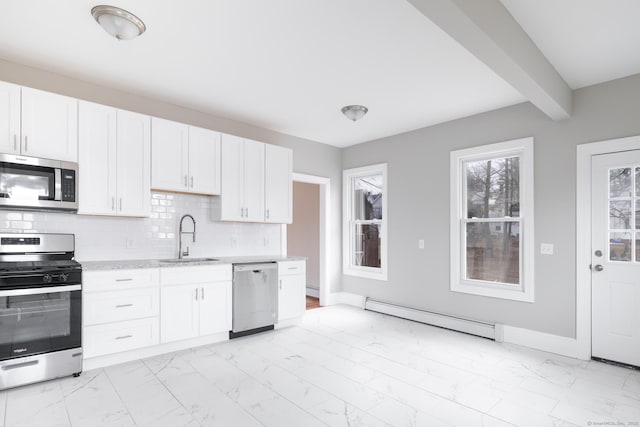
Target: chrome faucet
[(180, 233)]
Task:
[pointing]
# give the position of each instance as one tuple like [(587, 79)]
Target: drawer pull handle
[(124, 337), (124, 305), (293, 268), (20, 365), (124, 280)]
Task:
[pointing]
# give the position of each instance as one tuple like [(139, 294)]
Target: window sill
[(497, 291), (366, 274)]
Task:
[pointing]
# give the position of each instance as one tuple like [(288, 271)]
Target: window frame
[(348, 222), (525, 291)]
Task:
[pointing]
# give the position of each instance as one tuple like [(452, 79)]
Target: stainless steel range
[(40, 308)]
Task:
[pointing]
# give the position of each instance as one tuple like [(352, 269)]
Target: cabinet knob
[(191, 182)]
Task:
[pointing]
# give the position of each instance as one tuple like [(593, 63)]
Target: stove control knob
[(63, 277), (47, 278)]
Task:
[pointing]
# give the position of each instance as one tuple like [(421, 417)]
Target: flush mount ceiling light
[(118, 22), (354, 112)]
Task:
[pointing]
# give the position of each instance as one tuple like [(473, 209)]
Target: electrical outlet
[(129, 243), (546, 248), (421, 244)]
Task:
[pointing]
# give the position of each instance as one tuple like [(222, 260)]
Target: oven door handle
[(38, 291)]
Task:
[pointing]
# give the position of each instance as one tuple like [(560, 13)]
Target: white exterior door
[(97, 159), (49, 125), (278, 184), (615, 257), (134, 157), (9, 118), (170, 155), (204, 161)]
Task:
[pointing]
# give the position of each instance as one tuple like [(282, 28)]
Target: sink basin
[(186, 260)]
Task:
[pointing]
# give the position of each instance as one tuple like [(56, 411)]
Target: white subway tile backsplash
[(105, 238)]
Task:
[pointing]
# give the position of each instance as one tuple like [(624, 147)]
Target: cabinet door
[(49, 125), (254, 180), (178, 313), (9, 118), (204, 161), (291, 297), (278, 187), (97, 159), (232, 178), (134, 158), (169, 155), (215, 307)]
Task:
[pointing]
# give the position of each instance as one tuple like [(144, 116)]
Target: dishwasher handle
[(255, 268)]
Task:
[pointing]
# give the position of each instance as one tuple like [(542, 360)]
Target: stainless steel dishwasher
[(255, 298)]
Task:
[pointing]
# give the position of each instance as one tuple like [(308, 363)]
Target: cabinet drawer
[(110, 338), (197, 274), (93, 281), (115, 306), (289, 268)]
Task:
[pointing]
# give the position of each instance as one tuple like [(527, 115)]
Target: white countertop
[(157, 263)]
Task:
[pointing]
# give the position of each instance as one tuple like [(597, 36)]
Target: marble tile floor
[(341, 366)]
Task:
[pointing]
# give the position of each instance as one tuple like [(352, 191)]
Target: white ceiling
[(290, 65)]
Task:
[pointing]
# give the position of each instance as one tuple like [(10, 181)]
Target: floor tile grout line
[(115, 389), (64, 402)]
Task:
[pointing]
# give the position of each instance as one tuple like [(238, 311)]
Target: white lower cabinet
[(292, 284), (195, 301), (120, 311)]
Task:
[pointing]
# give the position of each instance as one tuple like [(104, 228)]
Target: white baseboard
[(541, 341), (346, 298), (142, 353), (313, 292)]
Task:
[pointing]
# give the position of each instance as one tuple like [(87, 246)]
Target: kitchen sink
[(186, 260)]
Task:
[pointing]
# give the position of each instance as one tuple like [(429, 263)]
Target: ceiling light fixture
[(118, 22), (354, 112)]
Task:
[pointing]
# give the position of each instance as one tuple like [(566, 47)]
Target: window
[(365, 222), (492, 242)]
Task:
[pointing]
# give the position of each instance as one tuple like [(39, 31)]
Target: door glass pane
[(493, 188), (620, 214), (637, 247), (620, 246), (637, 214), (638, 181), (367, 245), (620, 182), (367, 197), (493, 252)]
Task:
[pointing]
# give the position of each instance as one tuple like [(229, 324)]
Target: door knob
[(598, 267)]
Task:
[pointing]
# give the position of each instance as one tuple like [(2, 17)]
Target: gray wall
[(308, 157), (418, 204), (303, 235)]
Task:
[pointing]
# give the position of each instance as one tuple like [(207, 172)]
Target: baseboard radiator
[(473, 327)]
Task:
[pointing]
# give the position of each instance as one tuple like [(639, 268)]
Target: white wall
[(309, 157), (418, 200), (113, 238), (303, 235)]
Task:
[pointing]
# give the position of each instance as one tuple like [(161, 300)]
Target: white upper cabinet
[(242, 186), (49, 125), (114, 161), (204, 161), (184, 158), (278, 184), (134, 162), (10, 118), (38, 124)]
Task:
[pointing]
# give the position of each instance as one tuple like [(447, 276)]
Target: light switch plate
[(546, 248), (421, 244)]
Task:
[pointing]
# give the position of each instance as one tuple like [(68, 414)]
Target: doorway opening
[(307, 234)]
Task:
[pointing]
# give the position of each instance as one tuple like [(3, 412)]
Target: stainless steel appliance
[(40, 308), (255, 298), (38, 184)]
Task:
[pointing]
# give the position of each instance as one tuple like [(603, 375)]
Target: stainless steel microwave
[(38, 184)]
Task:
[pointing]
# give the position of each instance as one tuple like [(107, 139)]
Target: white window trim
[(524, 149), (347, 238)]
